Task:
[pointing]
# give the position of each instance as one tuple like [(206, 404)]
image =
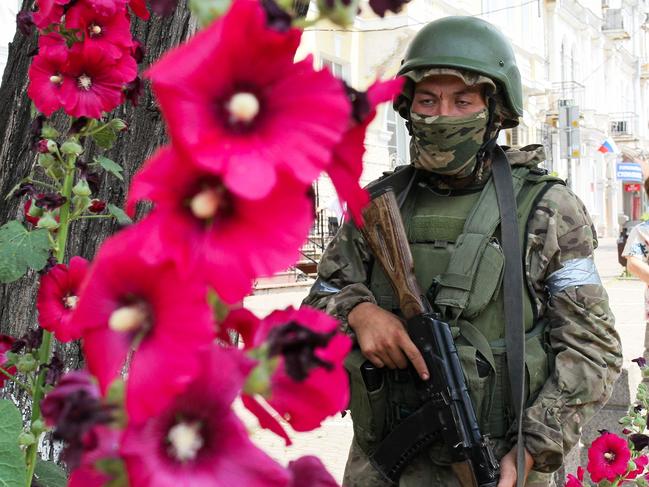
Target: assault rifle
[(447, 411)]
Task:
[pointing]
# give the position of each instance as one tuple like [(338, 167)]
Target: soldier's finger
[(415, 357), (398, 358), (389, 363), (376, 361)]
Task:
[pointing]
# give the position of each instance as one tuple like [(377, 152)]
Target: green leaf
[(110, 166), (49, 474), (121, 217), (12, 464), (106, 137), (21, 249)]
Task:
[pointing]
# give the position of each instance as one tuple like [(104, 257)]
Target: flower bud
[(97, 206), (38, 426), (81, 188), (340, 12), (49, 132), (48, 222), (118, 124), (46, 160), (26, 438), (35, 211), (27, 363), (71, 148), (80, 203)]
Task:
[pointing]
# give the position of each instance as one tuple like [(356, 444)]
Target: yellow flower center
[(70, 302), (128, 318), (243, 107), (185, 440), (205, 205), (84, 82), (56, 79), (95, 30)]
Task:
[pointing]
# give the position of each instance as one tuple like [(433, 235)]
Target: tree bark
[(145, 134)]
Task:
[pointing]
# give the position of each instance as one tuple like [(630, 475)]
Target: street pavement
[(330, 442)]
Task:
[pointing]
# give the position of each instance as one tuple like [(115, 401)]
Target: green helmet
[(467, 43)]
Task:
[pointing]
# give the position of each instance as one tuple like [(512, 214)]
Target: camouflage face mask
[(447, 145)]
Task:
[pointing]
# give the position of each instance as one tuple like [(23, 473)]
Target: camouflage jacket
[(587, 349)]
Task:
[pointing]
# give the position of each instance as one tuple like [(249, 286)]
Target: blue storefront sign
[(629, 171)]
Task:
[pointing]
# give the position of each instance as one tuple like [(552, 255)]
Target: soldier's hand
[(508, 472), (384, 340)]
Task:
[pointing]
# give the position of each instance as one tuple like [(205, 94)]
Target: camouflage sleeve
[(342, 276), (572, 300)]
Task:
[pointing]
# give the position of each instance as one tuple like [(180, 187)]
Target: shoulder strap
[(513, 295), (400, 181)]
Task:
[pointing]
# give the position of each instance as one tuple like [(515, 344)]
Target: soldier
[(462, 88)]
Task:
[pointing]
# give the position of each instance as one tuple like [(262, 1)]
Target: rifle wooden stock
[(386, 236)]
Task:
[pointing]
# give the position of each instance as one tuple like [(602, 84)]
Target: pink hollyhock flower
[(107, 8), (235, 101), (139, 8), (573, 481), (6, 342), (608, 457), (46, 74), (198, 440), (347, 164), (99, 444), (93, 80), (110, 33), (128, 303), (310, 382), (308, 471), (212, 233), (49, 12), (58, 296), (640, 463)]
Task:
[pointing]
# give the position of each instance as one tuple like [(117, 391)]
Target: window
[(338, 69), (399, 138)]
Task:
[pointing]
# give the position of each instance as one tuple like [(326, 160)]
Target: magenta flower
[(58, 296), (107, 8), (99, 444), (210, 232), (608, 457), (310, 382), (93, 80), (347, 164), (573, 481), (308, 471), (110, 33), (640, 464), (198, 440), (46, 74), (129, 303), (235, 101), (139, 8), (49, 12), (6, 342)]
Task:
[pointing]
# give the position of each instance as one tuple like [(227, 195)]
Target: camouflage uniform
[(586, 347)]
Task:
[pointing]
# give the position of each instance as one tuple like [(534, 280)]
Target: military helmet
[(467, 43)]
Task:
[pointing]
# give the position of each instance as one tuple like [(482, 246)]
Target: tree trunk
[(145, 133)]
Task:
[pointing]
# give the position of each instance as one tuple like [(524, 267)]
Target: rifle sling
[(513, 286)]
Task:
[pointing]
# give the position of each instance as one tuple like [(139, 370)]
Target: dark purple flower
[(137, 50), (51, 262), (50, 201), (25, 22), (361, 107), (309, 471), (276, 17), (163, 7), (77, 125), (29, 341), (380, 7), (641, 361), (25, 189), (97, 206), (639, 441), (54, 370), (134, 90), (74, 408)]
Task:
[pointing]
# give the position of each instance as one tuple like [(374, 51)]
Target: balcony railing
[(623, 125), (616, 25)]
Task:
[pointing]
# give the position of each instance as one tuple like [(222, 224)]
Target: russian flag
[(608, 147)]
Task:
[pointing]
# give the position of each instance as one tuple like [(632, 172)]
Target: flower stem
[(46, 346), (92, 216), (15, 380)]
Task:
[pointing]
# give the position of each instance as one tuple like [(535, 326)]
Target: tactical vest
[(455, 243)]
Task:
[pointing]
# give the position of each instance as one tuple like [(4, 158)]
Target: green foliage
[(105, 134), (208, 10), (12, 464), (121, 217), (20, 250), (49, 474), (110, 166)]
